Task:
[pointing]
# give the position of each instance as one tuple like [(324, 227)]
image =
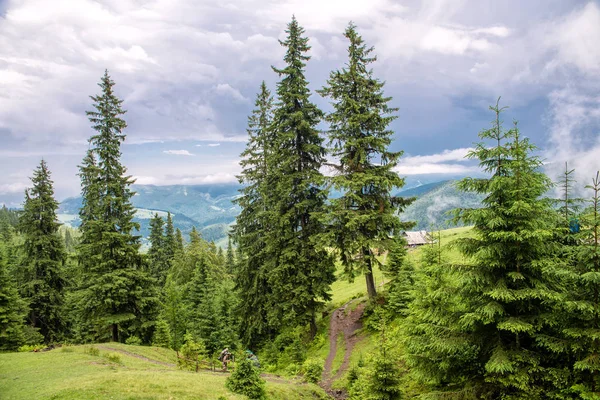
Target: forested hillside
[(309, 288)]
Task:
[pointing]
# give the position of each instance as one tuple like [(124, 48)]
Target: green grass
[(74, 374), (339, 354)]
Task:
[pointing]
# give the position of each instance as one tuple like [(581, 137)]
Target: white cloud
[(15, 187), (227, 90), (446, 162), (178, 152), (213, 144)]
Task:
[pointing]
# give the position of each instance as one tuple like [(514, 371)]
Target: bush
[(133, 340), (113, 357), (292, 369), (28, 347), (92, 351), (162, 334), (32, 335), (313, 370), (245, 379), (190, 353)]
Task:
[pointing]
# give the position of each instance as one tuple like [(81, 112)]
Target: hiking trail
[(346, 324)]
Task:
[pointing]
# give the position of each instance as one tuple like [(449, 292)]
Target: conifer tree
[(254, 222), (178, 241), (437, 351), (508, 289), (12, 309), (174, 312), (401, 273), (363, 218), (170, 243), (302, 270), (230, 257), (117, 294), (583, 304), (158, 258), (44, 256)]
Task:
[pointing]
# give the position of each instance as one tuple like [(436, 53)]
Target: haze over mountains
[(211, 210)]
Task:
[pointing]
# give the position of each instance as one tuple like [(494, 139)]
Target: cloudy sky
[(188, 71)]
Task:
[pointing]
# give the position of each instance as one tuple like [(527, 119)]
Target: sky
[(189, 70)]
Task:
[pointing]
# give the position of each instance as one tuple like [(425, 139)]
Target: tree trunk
[(115, 332), (371, 291), (370, 282), (313, 326)]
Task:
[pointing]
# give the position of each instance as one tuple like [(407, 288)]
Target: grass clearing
[(78, 375)]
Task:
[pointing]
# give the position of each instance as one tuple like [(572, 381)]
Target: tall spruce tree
[(44, 256), (583, 303), (158, 256), (302, 270), (507, 288), (254, 222), (170, 244), (12, 308), (116, 295), (363, 219)]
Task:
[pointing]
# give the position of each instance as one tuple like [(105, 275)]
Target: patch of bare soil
[(346, 322), (137, 356)]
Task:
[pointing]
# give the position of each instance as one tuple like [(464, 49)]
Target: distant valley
[(211, 210)]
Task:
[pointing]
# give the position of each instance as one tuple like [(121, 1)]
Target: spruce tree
[(254, 222), (302, 270), (229, 258), (12, 309), (364, 218), (507, 287), (158, 256), (44, 256), (116, 295), (583, 304), (170, 243)]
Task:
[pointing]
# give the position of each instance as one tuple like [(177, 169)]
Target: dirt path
[(346, 323), (136, 356)]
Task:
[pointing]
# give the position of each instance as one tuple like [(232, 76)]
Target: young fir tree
[(12, 309), (437, 352), (583, 305), (508, 289), (363, 218), (117, 294), (174, 312), (254, 222), (229, 257), (158, 258), (302, 270), (44, 256), (170, 242), (245, 380), (401, 273)]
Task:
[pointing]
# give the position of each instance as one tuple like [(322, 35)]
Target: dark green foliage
[(253, 223), (161, 246), (12, 309), (162, 334), (116, 293), (170, 241), (229, 258), (401, 273), (9, 220), (174, 312), (583, 304), (44, 255), (245, 379), (301, 270), (437, 352), (508, 290), (363, 218), (312, 370)]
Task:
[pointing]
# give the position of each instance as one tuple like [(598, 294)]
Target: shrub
[(133, 340), (190, 353), (92, 351), (245, 379), (28, 347), (113, 357), (162, 334), (292, 369), (313, 370)]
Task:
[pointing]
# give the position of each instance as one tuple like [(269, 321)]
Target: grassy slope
[(344, 291), (70, 373)]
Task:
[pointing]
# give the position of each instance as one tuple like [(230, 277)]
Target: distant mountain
[(207, 207), (430, 209)]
